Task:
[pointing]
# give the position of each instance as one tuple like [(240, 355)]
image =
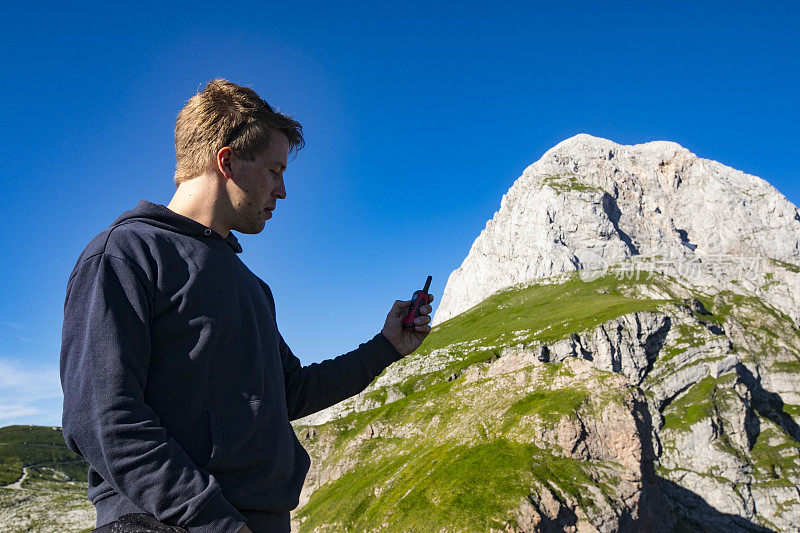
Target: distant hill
[(43, 450), (40, 475)]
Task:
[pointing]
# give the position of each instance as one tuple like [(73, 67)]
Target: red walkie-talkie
[(419, 299)]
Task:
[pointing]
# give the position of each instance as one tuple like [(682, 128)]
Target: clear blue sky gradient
[(418, 117)]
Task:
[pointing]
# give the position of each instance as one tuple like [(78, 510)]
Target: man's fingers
[(399, 306)]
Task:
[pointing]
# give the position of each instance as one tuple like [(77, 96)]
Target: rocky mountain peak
[(592, 204)]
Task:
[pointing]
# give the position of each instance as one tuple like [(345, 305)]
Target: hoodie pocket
[(252, 436)]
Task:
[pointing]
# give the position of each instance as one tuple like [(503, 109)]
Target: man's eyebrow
[(283, 167)]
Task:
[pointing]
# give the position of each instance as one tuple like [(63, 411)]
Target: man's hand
[(405, 340), (246, 529)]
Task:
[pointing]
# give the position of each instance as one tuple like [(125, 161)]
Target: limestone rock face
[(590, 203)]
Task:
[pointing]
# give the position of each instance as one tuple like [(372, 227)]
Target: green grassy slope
[(458, 452), (423, 462), (462, 487), (545, 312), (533, 314)]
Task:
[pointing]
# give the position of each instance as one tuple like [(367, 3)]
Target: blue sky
[(417, 117)]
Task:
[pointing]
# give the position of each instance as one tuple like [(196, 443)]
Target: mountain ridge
[(587, 282)]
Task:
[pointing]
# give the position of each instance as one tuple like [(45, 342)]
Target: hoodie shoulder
[(119, 242), (128, 238), (138, 233), (111, 240)]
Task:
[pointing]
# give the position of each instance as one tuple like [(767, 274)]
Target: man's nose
[(280, 191)]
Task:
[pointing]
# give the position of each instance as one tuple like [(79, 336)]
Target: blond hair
[(226, 114)]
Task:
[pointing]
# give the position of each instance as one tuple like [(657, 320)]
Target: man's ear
[(224, 163)]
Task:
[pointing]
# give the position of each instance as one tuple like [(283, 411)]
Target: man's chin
[(257, 227)]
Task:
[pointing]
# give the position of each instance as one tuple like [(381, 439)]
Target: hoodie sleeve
[(105, 356), (319, 385)]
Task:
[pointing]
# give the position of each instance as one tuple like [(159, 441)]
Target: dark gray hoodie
[(178, 387)]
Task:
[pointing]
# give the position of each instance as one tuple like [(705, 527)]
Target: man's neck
[(198, 199)]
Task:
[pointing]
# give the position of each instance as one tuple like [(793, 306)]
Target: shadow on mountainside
[(666, 506), (768, 404), (614, 214), (654, 510), (692, 513)]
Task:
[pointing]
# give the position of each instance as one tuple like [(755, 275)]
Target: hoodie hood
[(161, 216)]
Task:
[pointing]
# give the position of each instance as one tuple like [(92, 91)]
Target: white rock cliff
[(590, 203)]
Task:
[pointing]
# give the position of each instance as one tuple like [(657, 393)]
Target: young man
[(178, 387)]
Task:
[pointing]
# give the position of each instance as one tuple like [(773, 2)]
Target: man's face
[(257, 185)]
